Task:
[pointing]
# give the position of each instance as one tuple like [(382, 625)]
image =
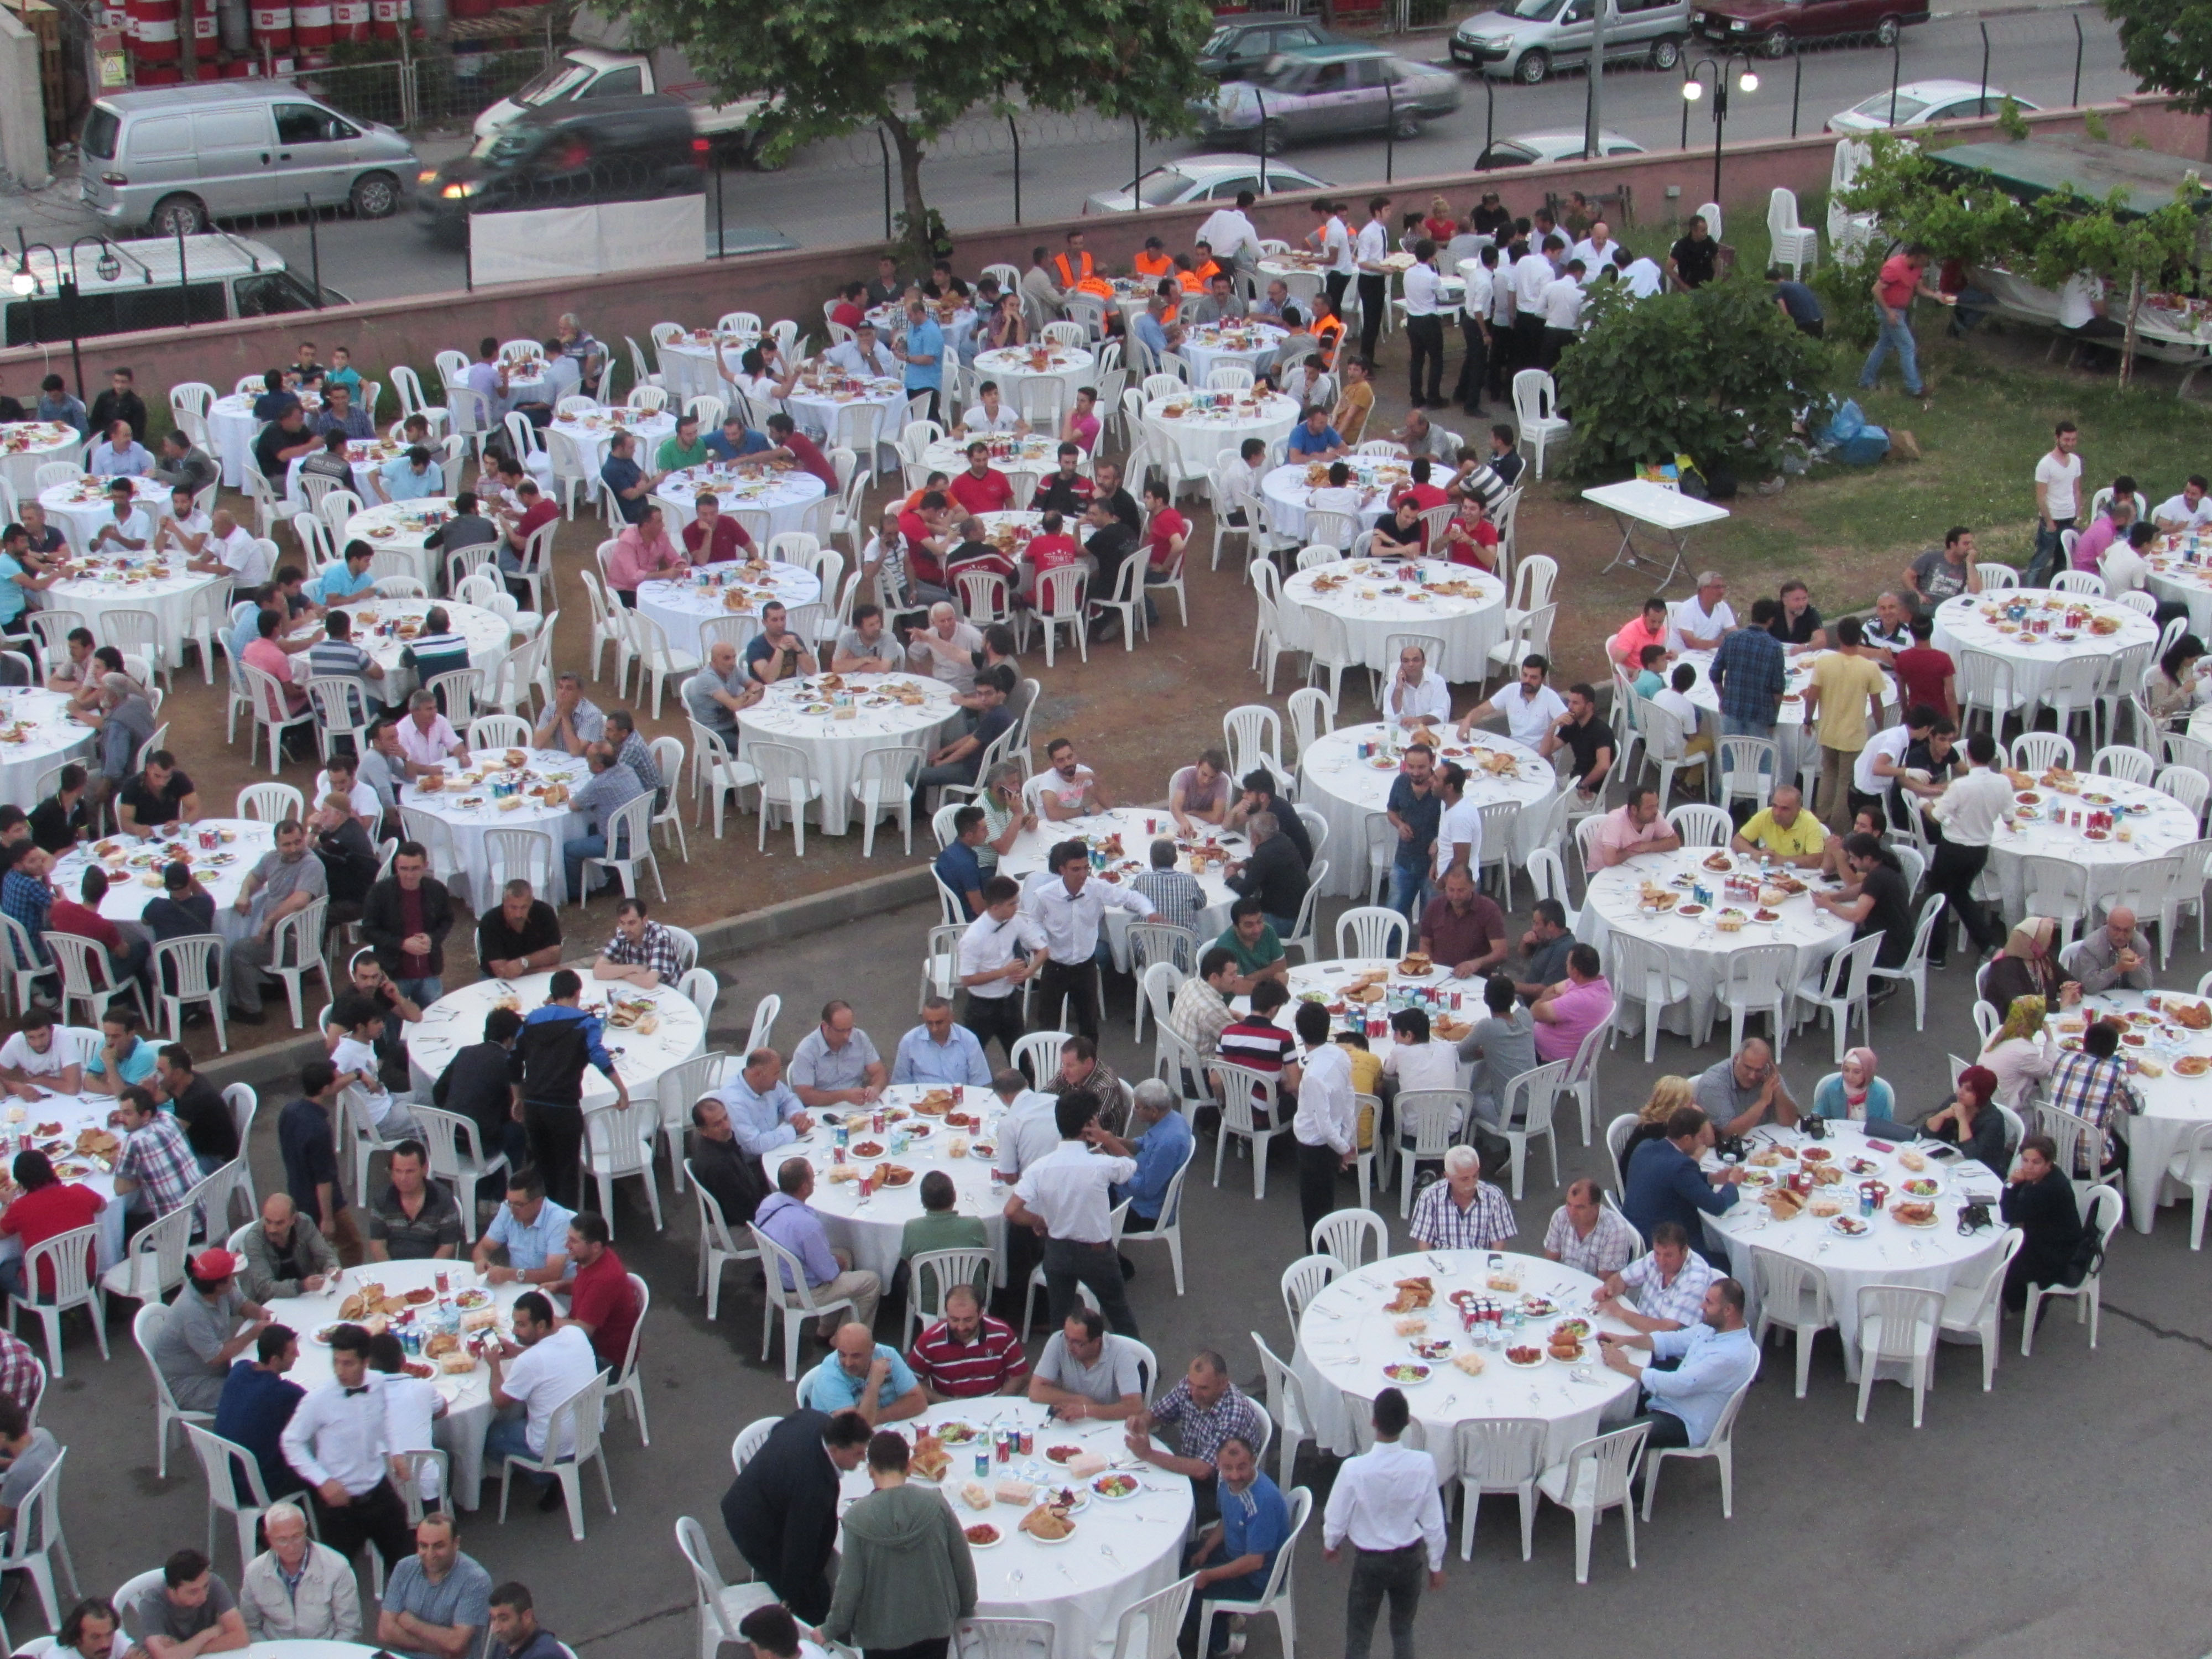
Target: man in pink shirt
[(271, 659), (425, 737), (2112, 526), (1573, 1008), (643, 552), (1633, 828), (1647, 627)]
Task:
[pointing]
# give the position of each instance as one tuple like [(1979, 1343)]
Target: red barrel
[(384, 19), (473, 7), (154, 31), (311, 25), (206, 68), (272, 26), (350, 20), (204, 29)]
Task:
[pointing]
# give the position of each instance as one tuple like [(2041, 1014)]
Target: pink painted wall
[(794, 284)]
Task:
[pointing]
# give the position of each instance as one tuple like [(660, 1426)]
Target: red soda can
[(878, 1120)]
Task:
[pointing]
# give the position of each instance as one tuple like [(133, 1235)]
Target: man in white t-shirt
[(1070, 789), (1699, 621), (411, 1404), (2057, 493), (2191, 510), (1674, 698), (1641, 277), (1531, 708), (546, 1364), (342, 777), (37, 1058), (1596, 250), (2122, 566), (181, 526), (1459, 830)]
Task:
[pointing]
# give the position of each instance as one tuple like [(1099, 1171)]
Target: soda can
[(879, 1120), (837, 1152), (1029, 1442), (868, 1185), (1005, 1448), (982, 1464), (444, 1283)]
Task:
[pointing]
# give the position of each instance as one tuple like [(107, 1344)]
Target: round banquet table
[(1346, 789), (173, 596), (2172, 1105), (1134, 294), (1295, 267), (1376, 600), (1250, 344), (1071, 366), (1202, 437), (469, 1412), (302, 1648), (27, 446), (2155, 823), (2181, 574), (1965, 623), (134, 866), (36, 736), (870, 1228), (816, 406), (232, 425), (1033, 453), (801, 714), (1936, 1258), (593, 432), (681, 606), (788, 497), (1345, 1339), (456, 1019), (405, 527), (81, 506), (376, 630), (367, 456), (1288, 493), (54, 1121), (1120, 1552), (687, 363), (1793, 753), (1138, 828), (1696, 949), (467, 808)]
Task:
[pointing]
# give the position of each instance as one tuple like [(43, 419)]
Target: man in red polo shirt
[(793, 445), (968, 1353), (601, 1299), (86, 922), (1426, 494), (41, 1205), (981, 487), (928, 529), (710, 538)]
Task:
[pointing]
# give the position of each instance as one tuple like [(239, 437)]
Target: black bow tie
[(363, 1389)]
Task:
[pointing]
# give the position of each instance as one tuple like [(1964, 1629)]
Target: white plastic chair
[(618, 1141), (1793, 1295), (2192, 1166), (1499, 1454), (581, 1413), (1168, 1230), (1595, 1477), (1354, 1237), (1286, 1407), (66, 1260), (39, 1518), (1535, 399), (2102, 1213), (456, 1159), (1760, 978), (797, 1305), (146, 1327), (1720, 1446), (219, 1458), (1278, 1598), (1915, 965), (885, 787), (1978, 1311), (1243, 1091), (1428, 1120), (1160, 1615), (1898, 1323), (1839, 989), (787, 783), (1790, 244), (1301, 1282), (1536, 1093), (721, 1607), (1371, 931)]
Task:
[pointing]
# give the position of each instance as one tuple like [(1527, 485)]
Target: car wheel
[(375, 196), (1533, 68), (1776, 45), (1665, 52), (1407, 125), (1884, 32), (178, 215)]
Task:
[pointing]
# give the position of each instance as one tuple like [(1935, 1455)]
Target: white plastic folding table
[(1673, 515)]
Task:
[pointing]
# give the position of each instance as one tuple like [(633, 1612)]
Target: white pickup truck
[(585, 72)]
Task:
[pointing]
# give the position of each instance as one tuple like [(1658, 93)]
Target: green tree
[(2167, 46), (2133, 252), (914, 67)]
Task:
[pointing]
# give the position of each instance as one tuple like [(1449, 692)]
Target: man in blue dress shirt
[(924, 355), (534, 1231), (939, 1051), (1160, 1142), (764, 1114), (1693, 1373)]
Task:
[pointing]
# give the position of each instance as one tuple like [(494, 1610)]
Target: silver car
[(1326, 92), (1527, 39), (1203, 179), (176, 158)]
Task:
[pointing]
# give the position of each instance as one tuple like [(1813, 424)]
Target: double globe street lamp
[(1693, 90)]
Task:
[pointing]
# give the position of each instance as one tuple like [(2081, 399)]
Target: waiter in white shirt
[(1385, 1503), (1563, 312), (1228, 231), (999, 953), (1459, 830), (1331, 240), (1368, 252), (1067, 909), (1531, 276), (1328, 1119), (1064, 1200), (1641, 277), (1477, 277), (1969, 810), (337, 1442), (1424, 327)]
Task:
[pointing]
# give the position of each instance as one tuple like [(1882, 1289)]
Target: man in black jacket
[(1260, 796), (781, 1510), (734, 1180), (1274, 874), (478, 1084), (348, 856), (120, 402), (404, 919), (559, 1041)]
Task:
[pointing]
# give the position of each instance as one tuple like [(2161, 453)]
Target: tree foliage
[(914, 67), (1718, 373), (2167, 46)]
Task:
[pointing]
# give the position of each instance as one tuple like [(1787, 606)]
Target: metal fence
[(443, 89)]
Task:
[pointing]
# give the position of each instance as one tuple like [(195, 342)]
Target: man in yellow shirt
[(1354, 403), (1784, 830), (1844, 705)]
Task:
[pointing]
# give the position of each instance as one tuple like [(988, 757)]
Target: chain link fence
[(442, 91)]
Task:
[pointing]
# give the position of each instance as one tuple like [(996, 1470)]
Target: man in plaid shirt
[(1669, 1284), (19, 1371), (1751, 672), (642, 953), (25, 897), (1462, 1211), (1588, 1234), (156, 1166), (1177, 897), (1208, 1408), (2093, 1086)]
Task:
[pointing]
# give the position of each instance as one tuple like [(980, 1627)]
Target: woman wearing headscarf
[(1971, 1121), (2029, 967), (1855, 1092), (2021, 1053)]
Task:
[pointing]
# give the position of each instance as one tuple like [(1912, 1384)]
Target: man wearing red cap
[(209, 1324)]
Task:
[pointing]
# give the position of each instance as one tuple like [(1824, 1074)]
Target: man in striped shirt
[(335, 656), (1256, 1043), (968, 1353)]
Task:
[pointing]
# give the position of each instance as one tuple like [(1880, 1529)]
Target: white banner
[(587, 241)]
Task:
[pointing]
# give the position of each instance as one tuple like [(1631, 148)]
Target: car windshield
[(557, 81), (1878, 106), (1217, 43), (1162, 187), (100, 130), (1508, 156), (1283, 73), (1537, 11)]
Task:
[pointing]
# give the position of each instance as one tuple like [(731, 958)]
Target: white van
[(177, 158), (123, 286)]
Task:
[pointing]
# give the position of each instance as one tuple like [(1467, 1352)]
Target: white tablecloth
[(232, 425), (1889, 1252), (134, 867), (1073, 367), (74, 1113), (2172, 1105), (2181, 574), (1033, 453), (27, 446), (36, 736), (816, 407), (1346, 1340), (456, 1020), (789, 498), (1965, 623), (1792, 716), (1288, 491), (368, 457), (1345, 788), (687, 365), (1202, 437), (591, 434), (2156, 824), (465, 823), (799, 713), (870, 1228), (1696, 949), (680, 606), (1247, 345), (405, 527), (469, 1412), (171, 596), (376, 630), (81, 508), (1138, 826), (1119, 1553), (1457, 603)]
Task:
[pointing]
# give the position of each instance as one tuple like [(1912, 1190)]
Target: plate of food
[(1758, 1178), (1849, 1226), (1435, 1348), (983, 1536), (1816, 1154), (1861, 1166), (982, 1149), (2192, 1066), (1689, 910), (1115, 1486), (472, 1299), (1922, 1187), (1573, 1329), (866, 1149), (893, 1175), (955, 1434), (1048, 1524), (1406, 1372), (1538, 1307), (1526, 1358), (1913, 1213), (1062, 1454)]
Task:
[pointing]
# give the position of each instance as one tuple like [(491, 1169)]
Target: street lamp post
[(1693, 88), (25, 283)]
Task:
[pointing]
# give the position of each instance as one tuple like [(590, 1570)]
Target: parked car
[(177, 158), (222, 278), (1527, 39), (1771, 25), (1240, 44), (1923, 103), (1203, 179), (1324, 92), (1527, 149), (610, 149)]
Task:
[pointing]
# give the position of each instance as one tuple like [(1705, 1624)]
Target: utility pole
[(1593, 109)]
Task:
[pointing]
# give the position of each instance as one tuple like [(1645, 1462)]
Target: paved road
[(833, 192)]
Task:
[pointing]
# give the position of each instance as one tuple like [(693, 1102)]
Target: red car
[(1769, 26)]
